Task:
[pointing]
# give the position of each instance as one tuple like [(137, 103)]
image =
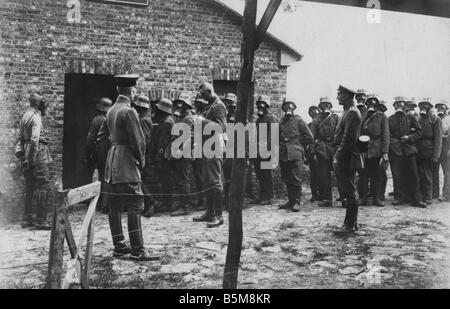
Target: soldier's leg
[(383, 184), (208, 185), (215, 176), (182, 188), (348, 187), (363, 183), (396, 169), (114, 201), (425, 170), (435, 179), (197, 168), (166, 179), (267, 184), (374, 177), (284, 171), (296, 181), (411, 176), (445, 169), (45, 194), (324, 175), (27, 218), (314, 180), (134, 199)]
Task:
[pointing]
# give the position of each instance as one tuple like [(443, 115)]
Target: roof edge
[(270, 37)]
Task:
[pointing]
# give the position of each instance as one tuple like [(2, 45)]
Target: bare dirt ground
[(396, 247)]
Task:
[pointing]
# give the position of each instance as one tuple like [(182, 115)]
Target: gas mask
[(370, 107), (262, 109), (289, 109), (231, 113), (423, 112), (178, 109), (441, 113), (325, 108), (399, 107)]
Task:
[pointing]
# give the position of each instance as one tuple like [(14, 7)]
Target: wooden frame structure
[(61, 230)]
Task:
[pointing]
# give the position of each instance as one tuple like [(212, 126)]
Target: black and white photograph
[(247, 145)]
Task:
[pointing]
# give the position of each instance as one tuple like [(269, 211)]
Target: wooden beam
[(267, 18), (55, 261), (81, 194), (438, 8)]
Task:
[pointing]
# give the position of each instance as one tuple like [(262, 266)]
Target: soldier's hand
[(404, 138), (435, 160), (385, 157), (335, 163)]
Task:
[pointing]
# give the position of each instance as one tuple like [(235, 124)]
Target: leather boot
[(179, 209), (42, 212), (290, 203), (350, 221), (135, 233), (218, 204), (209, 214), (115, 225)]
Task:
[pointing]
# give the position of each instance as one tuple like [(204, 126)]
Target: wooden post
[(55, 263), (237, 189), (88, 257)]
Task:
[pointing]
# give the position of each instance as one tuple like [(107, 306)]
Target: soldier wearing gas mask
[(404, 131), (164, 166), (295, 138), (313, 112), (323, 128), (360, 97), (35, 159), (375, 126), (410, 108), (182, 112), (429, 147), (230, 103), (264, 176), (142, 105), (381, 107), (442, 109)]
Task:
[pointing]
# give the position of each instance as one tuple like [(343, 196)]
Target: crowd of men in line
[(129, 142)]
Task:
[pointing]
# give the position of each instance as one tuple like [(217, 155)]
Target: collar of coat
[(121, 99)]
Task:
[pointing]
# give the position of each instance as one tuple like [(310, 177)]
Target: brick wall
[(172, 44)]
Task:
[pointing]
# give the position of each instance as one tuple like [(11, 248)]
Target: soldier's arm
[(385, 135), (165, 136), (218, 115), (437, 139), (417, 130), (351, 130), (136, 138), (90, 141), (306, 135), (36, 126)]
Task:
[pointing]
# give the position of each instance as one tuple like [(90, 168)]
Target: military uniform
[(264, 176), (429, 150), (37, 176), (294, 137), (345, 139), (125, 161), (313, 112), (402, 156), (376, 126), (323, 128), (216, 112), (445, 156)]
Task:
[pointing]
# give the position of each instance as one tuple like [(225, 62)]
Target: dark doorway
[(222, 87), (81, 94)]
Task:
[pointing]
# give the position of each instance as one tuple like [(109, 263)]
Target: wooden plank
[(88, 256), (55, 263), (87, 222), (81, 194), (69, 238), (267, 18)]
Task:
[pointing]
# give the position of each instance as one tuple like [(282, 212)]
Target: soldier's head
[(125, 84), (425, 106), (441, 107), (182, 105), (230, 102), (103, 105), (399, 104), (325, 106), (263, 105), (37, 101), (163, 109), (206, 91), (371, 102), (381, 107), (288, 107), (360, 97), (200, 104), (141, 104), (345, 95)]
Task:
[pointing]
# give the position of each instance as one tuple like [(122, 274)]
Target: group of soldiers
[(130, 144)]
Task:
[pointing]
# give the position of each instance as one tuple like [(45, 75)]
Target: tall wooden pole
[(237, 189)]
